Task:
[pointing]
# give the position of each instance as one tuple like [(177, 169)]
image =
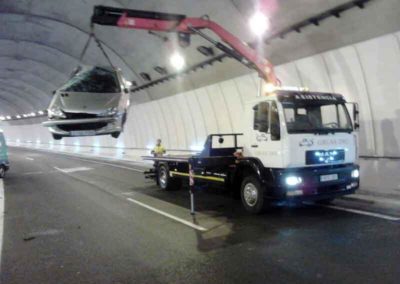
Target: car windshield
[(94, 80), (316, 118)]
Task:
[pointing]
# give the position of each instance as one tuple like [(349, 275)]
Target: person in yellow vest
[(158, 150)]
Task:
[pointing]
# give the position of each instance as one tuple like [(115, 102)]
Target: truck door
[(265, 135)]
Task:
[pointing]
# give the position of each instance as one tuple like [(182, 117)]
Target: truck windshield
[(317, 118), (94, 80)]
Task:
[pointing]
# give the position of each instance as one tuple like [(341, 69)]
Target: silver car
[(93, 102)]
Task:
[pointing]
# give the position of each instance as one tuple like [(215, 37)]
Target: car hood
[(88, 102)]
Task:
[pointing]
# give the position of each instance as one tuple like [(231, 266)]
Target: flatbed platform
[(175, 158)]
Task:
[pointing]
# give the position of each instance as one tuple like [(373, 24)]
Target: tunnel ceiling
[(41, 41)]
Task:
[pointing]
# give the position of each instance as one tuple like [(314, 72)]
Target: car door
[(265, 140)]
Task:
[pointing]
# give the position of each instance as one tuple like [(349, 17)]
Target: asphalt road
[(73, 220)]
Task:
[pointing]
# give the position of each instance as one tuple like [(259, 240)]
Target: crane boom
[(165, 22)]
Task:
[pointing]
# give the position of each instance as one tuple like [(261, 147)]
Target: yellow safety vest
[(159, 150)]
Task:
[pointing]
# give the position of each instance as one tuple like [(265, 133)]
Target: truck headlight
[(109, 112), (56, 112), (293, 180), (355, 173)]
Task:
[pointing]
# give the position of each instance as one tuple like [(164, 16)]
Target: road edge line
[(170, 216), (362, 212)]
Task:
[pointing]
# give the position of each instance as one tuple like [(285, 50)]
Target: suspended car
[(93, 102)]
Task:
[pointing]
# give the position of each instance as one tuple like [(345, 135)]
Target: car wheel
[(57, 137), (166, 182), (2, 171), (252, 195), (115, 134)]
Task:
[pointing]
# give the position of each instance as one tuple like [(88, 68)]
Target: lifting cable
[(98, 42)]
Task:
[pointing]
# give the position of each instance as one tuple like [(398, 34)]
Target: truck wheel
[(252, 195), (165, 181), (57, 137)]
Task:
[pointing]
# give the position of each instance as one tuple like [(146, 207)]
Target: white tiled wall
[(367, 72)]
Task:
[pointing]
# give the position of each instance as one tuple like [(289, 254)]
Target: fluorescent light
[(40, 112), (18, 116), (177, 61), (259, 23)]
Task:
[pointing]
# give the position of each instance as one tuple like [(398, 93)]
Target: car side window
[(261, 117)]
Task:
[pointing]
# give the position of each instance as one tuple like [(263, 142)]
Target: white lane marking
[(30, 159), (73, 170), (2, 196), (112, 165), (32, 173), (367, 213), (165, 214), (37, 173)]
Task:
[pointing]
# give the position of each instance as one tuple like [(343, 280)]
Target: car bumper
[(312, 186), (84, 126)]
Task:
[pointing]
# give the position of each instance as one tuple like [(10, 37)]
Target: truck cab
[(304, 145)]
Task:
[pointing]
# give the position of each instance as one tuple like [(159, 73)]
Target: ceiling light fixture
[(206, 51), (161, 70), (177, 61), (259, 23)]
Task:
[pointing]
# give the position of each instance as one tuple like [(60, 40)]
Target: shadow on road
[(229, 224)]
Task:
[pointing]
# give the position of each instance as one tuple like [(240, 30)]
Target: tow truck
[(296, 145)]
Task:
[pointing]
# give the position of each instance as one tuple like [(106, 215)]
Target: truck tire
[(166, 182), (252, 195), (2, 171)]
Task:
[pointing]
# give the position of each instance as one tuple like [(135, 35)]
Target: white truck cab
[(306, 139)]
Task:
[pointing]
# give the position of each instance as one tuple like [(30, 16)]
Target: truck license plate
[(328, 177)]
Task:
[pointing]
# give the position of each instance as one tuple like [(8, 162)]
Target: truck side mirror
[(356, 116)]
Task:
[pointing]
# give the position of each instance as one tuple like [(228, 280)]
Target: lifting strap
[(98, 42)]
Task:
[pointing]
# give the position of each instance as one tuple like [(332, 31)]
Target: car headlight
[(56, 113), (293, 180), (109, 112), (355, 173)]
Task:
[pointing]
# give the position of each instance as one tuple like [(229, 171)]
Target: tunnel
[(193, 141)]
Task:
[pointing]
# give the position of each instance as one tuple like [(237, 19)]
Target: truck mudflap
[(314, 183)]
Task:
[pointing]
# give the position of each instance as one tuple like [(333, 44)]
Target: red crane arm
[(164, 22)]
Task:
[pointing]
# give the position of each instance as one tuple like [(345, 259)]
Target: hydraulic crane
[(185, 26)]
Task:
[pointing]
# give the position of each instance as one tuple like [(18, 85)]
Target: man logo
[(306, 142)]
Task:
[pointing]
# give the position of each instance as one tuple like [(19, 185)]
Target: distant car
[(4, 164), (93, 102)]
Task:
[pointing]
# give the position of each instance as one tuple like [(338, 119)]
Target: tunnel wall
[(367, 73)]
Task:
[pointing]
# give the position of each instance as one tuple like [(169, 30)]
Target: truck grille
[(318, 157)]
